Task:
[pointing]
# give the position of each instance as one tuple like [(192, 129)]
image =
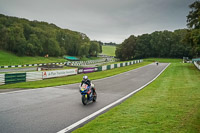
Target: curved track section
[(51, 109)]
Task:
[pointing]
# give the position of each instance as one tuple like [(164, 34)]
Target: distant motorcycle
[(88, 94), (157, 63)]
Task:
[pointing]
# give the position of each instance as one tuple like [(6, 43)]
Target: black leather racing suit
[(87, 82)]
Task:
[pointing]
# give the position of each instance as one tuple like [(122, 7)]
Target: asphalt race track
[(19, 69), (51, 109)]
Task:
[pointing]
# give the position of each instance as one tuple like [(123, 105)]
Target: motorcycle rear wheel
[(94, 97)]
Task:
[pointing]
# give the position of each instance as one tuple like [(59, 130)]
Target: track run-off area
[(54, 109)]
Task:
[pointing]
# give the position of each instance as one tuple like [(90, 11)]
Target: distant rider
[(157, 63)]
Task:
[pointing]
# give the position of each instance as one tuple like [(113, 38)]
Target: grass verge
[(170, 104), (72, 79)]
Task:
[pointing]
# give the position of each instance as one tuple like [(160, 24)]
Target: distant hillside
[(34, 38), (108, 50)]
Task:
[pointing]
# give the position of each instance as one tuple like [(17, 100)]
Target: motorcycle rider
[(88, 82)]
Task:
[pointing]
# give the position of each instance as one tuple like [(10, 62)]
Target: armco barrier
[(108, 67), (104, 68), (197, 65), (2, 79), (121, 64), (33, 76), (118, 65), (100, 68), (112, 66), (15, 78), (79, 63), (29, 65), (68, 63)]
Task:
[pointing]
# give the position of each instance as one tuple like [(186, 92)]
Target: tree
[(94, 48), (193, 19), (126, 50), (15, 39), (154, 44), (100, 45), (3, 36), (143, 47), (179, 48), (84, 50), (193, 36), (37, 47), (52, 47), (24, 37), (111, 43), (193, 40)]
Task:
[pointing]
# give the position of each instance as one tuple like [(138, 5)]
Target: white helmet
[(85, 77)]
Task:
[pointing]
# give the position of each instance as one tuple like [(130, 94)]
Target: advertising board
[(58, 73), (89, 69)]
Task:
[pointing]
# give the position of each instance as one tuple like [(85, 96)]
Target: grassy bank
[(8, 59), (170, 104), (72, 79), (108, 50)]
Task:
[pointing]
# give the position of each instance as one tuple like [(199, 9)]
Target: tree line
[(110, 43), (165, 44), (34, 38), (162, 44)]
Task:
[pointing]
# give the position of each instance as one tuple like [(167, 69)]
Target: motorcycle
[(157, 63), (88, 94)]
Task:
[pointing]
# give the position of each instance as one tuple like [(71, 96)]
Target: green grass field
[(8, 59), (108, 50), (170, 104)]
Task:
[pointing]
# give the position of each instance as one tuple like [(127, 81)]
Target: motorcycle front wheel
[(84, 99)]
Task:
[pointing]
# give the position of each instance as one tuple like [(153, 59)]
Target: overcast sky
[(103, 20)]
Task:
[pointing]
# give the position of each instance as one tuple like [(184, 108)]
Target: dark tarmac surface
[(51, 109)]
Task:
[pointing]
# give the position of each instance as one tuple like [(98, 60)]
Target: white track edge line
[(108, 106)]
